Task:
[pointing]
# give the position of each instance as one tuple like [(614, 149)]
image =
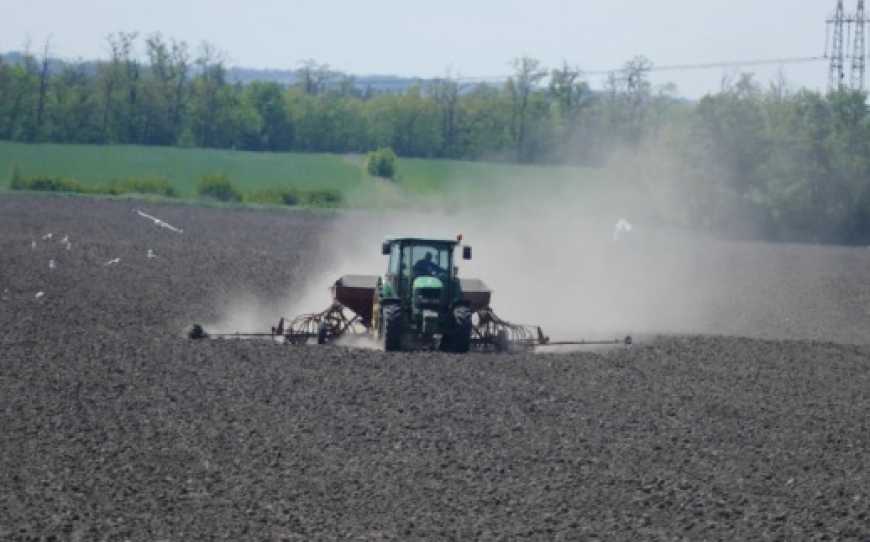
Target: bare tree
[(568, 91), (158, 57), (131, 79), (633, 97), (109, 82), (445, 92), (636, 72), (168, 65), (347, 86), (212, 75), (180, 67), (528, 73), (779, 87), (43, 87), (120, 86), (314, 76)]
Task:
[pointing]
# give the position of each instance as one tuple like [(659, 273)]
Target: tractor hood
[(429, 294), (428, 283)]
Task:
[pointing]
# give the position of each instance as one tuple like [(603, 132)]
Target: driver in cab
[(426, 266)]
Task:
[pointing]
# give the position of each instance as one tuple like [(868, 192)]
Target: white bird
[(39, 295), (51, 264), (112, 262), (65, 240), (33, 245), (622, 227), (151, 254), (159, 222), (47, 236)]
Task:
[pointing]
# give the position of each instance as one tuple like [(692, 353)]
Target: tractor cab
[(422, 267)]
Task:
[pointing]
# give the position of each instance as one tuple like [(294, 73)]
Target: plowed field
[(114, 426)]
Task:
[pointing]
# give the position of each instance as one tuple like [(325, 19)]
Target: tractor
[(419, 303)]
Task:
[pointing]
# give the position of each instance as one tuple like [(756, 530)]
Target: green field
[(418, 179)]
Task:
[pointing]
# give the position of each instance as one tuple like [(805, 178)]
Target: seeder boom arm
[(628, 341), (489, 332)]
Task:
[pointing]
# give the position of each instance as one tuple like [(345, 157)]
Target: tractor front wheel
[(392, 322)]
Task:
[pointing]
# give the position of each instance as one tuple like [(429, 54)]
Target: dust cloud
[(549, 253), (547, 248)]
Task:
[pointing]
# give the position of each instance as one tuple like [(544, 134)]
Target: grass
[(266, 177), (184, 167), (443, 176), (118, 187)]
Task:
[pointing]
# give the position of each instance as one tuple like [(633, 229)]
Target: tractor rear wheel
[(392, 322), (502, 342), (460, 337)]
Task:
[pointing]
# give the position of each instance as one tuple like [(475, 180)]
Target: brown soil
[(113, 426)]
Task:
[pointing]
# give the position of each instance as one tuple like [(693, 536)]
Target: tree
[(528, 73), (276, 132), (157, 93), (568, 92), (109, 76), (382, 163), (132, 120), (445, 92), (638, 94), (18, 84), (485, 130), (734, 124), (570, 96), (74, 109), (43, 90), (210, 97), (313, 77), (347, 87), (164, 90), (121, 121), (416, 130)]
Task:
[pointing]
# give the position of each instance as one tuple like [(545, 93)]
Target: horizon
[(655, 76), (475, 41)]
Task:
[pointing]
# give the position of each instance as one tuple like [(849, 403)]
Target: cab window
[(405, 269), (395, 259), (430, 260)]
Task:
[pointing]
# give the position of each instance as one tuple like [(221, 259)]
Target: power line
[(677, 67), (719, 65), (401, 82)]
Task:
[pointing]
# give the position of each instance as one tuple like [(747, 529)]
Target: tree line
[(794, 163), (169, 96)]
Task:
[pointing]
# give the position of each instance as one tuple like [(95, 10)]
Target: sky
[(470, 38)]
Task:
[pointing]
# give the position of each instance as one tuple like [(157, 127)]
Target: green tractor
[(419, 302)]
